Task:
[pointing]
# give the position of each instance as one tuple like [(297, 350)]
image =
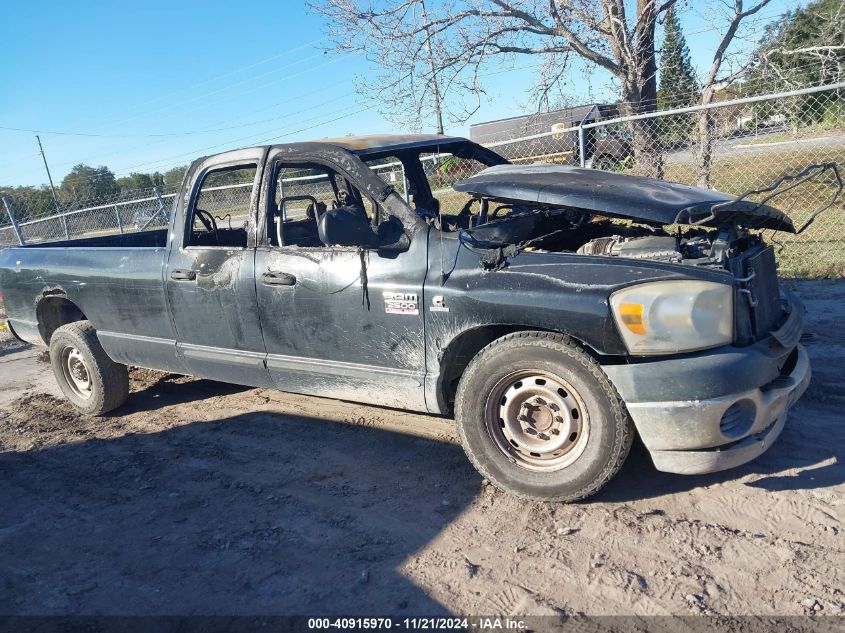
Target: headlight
[(664, 317)]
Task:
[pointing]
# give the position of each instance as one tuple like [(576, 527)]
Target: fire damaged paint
[(118, 289), (331, 327), (214, 315)]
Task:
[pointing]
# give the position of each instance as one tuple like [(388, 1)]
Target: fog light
[(738, 418)]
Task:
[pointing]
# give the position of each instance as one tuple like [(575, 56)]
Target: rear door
[(210, 272)]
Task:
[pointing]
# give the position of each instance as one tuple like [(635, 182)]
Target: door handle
[(183, 275), (278, 279)]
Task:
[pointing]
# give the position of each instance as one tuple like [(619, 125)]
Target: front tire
[(91, 381), (539, 419)]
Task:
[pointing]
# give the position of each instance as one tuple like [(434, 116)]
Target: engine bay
[(578, 231), (557, 208)]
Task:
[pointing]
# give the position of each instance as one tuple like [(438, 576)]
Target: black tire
[(597, 429), (605, 163), (92, 382)]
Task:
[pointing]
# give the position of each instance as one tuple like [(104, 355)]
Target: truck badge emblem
[(401, 303), (438, 304)]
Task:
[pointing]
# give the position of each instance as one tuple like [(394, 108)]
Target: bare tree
[(715, 81), (805, 47), (428, 52)]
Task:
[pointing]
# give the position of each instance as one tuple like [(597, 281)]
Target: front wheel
[(92, 382), (539, 419)]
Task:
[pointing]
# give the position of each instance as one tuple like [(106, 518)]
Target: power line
[(286, 77), (196, 152), (214, 78), (285, 115), (201, 83), (172, 134)]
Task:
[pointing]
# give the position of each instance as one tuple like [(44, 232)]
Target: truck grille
[(764, 290)]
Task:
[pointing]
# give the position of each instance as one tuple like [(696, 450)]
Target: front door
[(210, 276), (337, 321)]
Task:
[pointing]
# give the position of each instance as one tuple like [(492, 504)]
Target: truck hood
[(630, 197)]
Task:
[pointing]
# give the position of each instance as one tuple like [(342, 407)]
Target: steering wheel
[(464, 218), (207, 220), (495, 212)]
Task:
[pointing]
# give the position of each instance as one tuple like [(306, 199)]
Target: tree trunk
[(647, 152), (648, 155), (705, 147), (642, 96), (706, 125)]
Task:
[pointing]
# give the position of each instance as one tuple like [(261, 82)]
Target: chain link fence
[(734, 146)]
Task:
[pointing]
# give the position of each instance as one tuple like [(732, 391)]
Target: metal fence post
[(64, 226), (159, 210), (160, 199), (15, 226), (405, 185), (581, 146), (117, 217)]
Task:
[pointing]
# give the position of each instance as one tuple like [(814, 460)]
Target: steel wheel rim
[(76, 372), (537, 420)]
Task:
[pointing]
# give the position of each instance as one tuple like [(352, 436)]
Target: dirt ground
[(203, 498)]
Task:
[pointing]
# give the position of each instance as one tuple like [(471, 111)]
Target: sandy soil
[(204, 498)]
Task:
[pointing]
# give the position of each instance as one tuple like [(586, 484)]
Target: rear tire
[(91, 381), (539, 418), (604, 163)]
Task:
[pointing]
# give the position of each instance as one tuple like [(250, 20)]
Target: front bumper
[(672, 430), (740, 400)]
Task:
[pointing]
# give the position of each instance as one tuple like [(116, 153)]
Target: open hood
[(631, 197)]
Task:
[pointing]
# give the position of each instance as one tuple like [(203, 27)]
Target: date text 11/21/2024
[(419, 623)]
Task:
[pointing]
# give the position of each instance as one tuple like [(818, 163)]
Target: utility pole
[(52, 187), (437, 110), (49, 177)]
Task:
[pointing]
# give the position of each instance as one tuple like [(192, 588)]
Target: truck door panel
[(210, 273), (329, 335), (326, 329)]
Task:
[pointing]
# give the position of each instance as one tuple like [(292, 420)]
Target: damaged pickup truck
[(554, 311)]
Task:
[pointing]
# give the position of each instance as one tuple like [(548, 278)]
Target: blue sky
[(162, 82)]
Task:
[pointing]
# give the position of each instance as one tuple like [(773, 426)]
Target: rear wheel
[(92, 382), (539, 418), (605, 163)]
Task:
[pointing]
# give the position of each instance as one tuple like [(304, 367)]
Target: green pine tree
[(678, 86)]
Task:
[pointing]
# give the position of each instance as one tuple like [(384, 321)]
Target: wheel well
[(53, 312), (460, 352)]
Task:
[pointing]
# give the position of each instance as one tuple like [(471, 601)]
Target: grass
[(820, 250)]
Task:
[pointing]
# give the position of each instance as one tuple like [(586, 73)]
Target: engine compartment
[(585, 233), (561, 208)]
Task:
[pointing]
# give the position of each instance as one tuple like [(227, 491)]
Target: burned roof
[(378, 142)]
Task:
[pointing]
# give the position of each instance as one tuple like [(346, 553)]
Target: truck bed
[(139, 239)]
